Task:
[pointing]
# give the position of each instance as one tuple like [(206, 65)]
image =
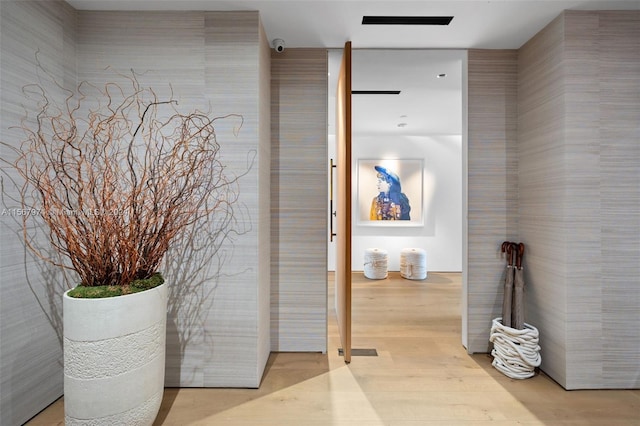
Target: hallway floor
[(422, 376)]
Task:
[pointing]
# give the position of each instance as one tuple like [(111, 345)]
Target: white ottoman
[(375, 263), (413, 263)]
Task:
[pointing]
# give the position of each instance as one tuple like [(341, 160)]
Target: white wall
[(441, 232)]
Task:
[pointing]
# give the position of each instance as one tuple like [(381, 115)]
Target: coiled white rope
[(375, 263), (516, 353), (413, 263)]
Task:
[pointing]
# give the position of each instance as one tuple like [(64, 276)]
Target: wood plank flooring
[(421, 376)]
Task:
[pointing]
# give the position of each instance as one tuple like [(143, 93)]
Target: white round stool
[(375, 263), (413, 263)]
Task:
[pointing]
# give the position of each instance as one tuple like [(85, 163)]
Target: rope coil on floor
[(413, 263), (375, 263), (516, 353)]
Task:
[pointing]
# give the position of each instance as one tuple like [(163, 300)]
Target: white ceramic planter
[(114, 355)]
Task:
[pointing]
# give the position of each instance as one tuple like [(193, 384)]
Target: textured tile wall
[(299, 204), (30, 313), (264, 201), (619, 102), (543, 175), (579, 109), (494, 162), (232, 43), (492, 184), (217, 331), (162, 49)]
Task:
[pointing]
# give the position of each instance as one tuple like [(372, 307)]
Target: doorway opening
[(409, 107)]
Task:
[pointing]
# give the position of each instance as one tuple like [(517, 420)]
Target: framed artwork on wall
[(389, 192)]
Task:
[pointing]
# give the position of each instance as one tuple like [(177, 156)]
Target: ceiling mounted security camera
[(278, 45)]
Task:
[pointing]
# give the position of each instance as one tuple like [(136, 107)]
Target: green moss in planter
[(95, 292)]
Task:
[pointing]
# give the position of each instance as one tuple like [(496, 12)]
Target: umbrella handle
[(519, 255), (509, 255), (514, 253), (504, 246)]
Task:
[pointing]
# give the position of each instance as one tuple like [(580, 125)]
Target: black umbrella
[(515, 352), (518, 295), (507, 248)]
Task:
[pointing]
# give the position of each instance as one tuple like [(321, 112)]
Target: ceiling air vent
[(406, 20), (375, 92)]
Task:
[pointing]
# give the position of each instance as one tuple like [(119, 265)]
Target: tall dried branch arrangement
[(116, 177)]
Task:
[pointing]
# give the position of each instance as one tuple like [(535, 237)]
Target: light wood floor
[(421, 376)]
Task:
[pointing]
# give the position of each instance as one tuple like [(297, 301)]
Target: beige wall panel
[(211, 61), (582, 200), (492, 187), (299, 200), (235, 355), (30, 313), (166, 50), (619, 73), (542, 196), (264, 202), (579, 108), (569, 189)]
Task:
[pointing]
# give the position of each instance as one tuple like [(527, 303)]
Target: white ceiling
[(427, 105), (431, 105), (496, 24)]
